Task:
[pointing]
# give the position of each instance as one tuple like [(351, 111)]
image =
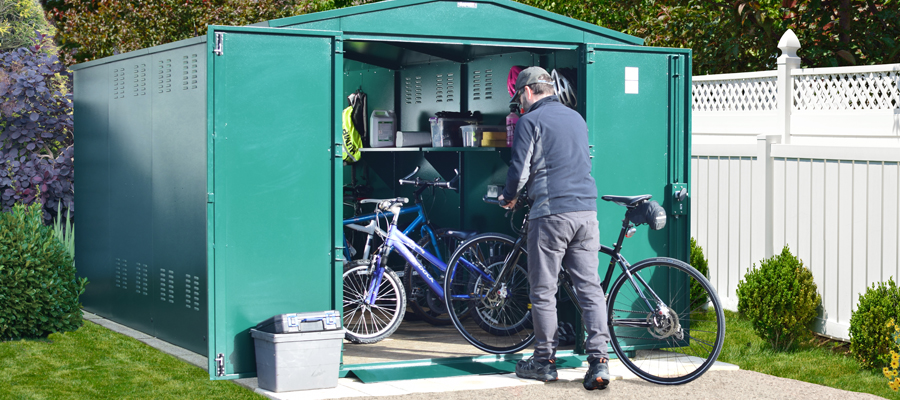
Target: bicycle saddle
[(386, 204), (627, 201), (461, 235)]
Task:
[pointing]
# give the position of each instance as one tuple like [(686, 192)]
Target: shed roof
[(480, 19)]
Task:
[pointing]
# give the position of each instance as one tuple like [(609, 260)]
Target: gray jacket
[(550, 156)]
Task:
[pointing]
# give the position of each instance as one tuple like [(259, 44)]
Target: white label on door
[(631, 80), (466, 5)]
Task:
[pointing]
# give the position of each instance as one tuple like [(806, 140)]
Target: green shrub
[(871, 339), (38, 288), (698, 261), (780, 299), (18, 21)]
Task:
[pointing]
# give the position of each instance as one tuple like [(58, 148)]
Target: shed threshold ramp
[(444, 367)]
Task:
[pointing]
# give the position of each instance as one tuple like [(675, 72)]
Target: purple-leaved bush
[(36, 130)]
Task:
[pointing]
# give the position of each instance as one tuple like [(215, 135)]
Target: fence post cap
[(789, 44)]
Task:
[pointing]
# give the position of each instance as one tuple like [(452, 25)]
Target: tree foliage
[(741, 35), (36, 143), (19, 19), (91, 29)]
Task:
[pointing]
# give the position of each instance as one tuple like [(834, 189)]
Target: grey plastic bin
[(297, 361)]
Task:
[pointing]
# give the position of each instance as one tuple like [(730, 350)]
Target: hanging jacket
[(352, 140)]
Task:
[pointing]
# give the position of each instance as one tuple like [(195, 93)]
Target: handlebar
[(491, 200), (423, 183)]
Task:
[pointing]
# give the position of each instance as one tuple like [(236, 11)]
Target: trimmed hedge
[(780, 298), (871, 339)]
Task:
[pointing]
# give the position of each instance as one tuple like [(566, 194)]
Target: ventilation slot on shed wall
[(118, 85), (192, 292), (164, 73), (189, 72), (121, 273), (140, 80), (167, 285)]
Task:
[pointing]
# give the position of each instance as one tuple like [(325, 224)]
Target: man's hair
[(542, 88)]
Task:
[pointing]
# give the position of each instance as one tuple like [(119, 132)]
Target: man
[(550, 157)]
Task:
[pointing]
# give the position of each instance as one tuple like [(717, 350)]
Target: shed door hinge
[(338, 46), (210, 197), (589, 56), (220, 40), (220, 364)]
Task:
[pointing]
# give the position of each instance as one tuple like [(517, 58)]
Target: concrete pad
[(316, 394), (468, 382), (379, 389), (413, 342)]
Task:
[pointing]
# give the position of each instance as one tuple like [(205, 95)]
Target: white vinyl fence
[(821, 175)]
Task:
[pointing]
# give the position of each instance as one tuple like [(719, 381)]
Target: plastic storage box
[(472, 134), (298, 361), (445, 132), (301, 322)]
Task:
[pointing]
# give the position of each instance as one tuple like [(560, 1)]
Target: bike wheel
[(370, 323), (499, 320), (423, 302), (670, 343)]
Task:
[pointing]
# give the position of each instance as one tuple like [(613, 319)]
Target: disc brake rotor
[(664, 323)]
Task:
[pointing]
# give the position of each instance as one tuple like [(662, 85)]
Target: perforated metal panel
[(426, 89)]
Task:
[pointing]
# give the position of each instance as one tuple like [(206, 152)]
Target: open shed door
[(638, 115), (273, 153), (638, 112)]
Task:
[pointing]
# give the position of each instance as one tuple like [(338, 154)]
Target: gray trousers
[(570, 239)]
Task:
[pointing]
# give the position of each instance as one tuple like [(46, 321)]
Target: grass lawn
[(96, 363), (820, 362)]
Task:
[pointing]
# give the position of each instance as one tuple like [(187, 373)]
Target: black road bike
[(665, 320)]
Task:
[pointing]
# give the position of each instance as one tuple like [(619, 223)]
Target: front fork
[(376, 268)]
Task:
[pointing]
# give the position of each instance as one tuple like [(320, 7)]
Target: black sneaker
[(544, 371), (597, 376)]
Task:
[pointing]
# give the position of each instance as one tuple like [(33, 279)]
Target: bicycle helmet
[(564, 90), (511, 79)]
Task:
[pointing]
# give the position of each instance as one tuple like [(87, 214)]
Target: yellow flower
[(895, 363), (890, 323), (887, 372), (895, 356), (892, 385)]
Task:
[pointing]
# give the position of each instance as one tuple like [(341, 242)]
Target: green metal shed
[(210, 169)]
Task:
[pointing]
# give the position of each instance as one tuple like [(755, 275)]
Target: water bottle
[(511, 121)]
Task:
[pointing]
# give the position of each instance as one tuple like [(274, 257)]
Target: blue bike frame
[(403, 244), (419, 221)]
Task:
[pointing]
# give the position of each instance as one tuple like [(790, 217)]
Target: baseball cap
[(529, 76)]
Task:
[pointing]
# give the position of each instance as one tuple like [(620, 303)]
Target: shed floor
[(416, 340)]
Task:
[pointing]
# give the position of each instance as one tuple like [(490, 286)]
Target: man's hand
[(511, 204)]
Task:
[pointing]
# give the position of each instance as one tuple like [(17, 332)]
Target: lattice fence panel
[(752, 94), (849, 91)]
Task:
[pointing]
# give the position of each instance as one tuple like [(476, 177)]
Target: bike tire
[(499, 322), (421, 300), (373, 323), (667, 348)]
